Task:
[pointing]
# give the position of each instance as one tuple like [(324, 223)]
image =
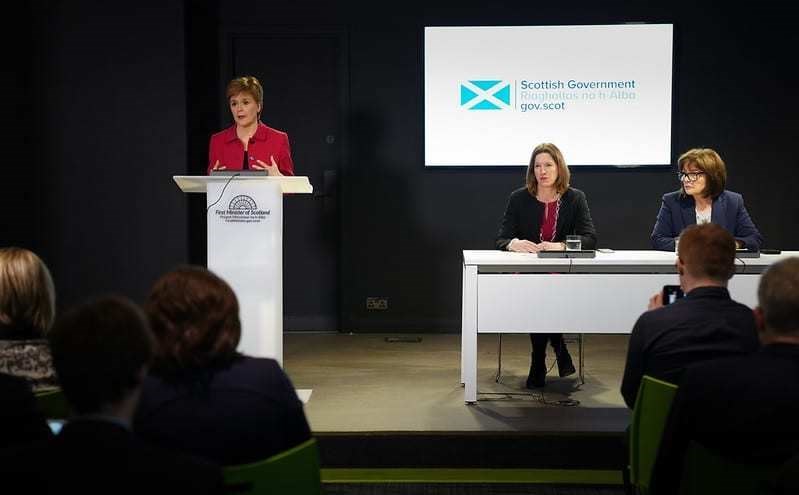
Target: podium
[(245, 248)]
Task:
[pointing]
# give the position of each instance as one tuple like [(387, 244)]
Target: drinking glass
[(573, 243)]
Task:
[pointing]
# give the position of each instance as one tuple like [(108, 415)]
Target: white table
[(507, 292)]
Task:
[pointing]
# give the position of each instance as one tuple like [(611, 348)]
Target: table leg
[(469, 334)]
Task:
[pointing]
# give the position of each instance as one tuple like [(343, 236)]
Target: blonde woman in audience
[(27, 309)]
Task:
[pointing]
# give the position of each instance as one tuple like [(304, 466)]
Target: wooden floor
[(411, 383)]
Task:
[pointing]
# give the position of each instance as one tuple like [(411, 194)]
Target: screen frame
[(505, 166)]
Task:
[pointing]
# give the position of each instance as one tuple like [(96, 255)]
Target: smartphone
[(671, 293)]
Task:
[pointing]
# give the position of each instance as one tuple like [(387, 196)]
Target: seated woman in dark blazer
[(202, 397), (703, 199), (538, 217)]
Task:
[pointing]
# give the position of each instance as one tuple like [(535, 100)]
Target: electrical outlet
[(376, 303)]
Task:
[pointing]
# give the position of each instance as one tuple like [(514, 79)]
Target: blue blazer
[(679, 211)]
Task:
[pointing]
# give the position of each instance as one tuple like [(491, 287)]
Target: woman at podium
[(538, 217), (249, 144), (703, 199)]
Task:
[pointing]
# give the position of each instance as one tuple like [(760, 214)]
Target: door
[(302, 76)]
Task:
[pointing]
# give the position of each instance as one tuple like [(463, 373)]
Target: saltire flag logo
[(485, 95)]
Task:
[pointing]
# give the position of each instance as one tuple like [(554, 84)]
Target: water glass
[(573, 243)]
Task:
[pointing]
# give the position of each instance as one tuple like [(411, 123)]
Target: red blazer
[(226, 147)]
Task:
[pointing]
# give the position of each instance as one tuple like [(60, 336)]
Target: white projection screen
[(602, 94)]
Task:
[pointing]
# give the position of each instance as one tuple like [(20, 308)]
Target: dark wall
[(18, 196), (112, 124), (404, 226), (108, 132)]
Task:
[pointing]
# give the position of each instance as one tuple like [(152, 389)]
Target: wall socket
[(376, 303)]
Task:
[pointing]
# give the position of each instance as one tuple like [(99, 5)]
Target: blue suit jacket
[(679, 211)]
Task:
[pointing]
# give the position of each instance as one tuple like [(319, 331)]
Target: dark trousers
[(539, 343)]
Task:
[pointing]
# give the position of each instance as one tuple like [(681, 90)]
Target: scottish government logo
[(485, 95), (242, 209)]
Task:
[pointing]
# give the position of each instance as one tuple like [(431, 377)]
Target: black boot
[(538, 365), (538, 373), (565, 365)]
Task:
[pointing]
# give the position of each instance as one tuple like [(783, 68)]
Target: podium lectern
[(245, 248)]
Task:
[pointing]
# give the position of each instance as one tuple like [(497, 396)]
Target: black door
[(302, 76)]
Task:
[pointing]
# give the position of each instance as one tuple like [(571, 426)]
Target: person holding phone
[(671, 293), (744, 407), (538, 217), (703, 199), (249, 144), (704, 324)]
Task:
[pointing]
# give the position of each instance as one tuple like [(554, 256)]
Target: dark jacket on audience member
[(745, 408), (241, 413), (20, 419), (523, 215), (100, 456), (705, 324)]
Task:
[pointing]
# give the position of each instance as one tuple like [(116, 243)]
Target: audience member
[(705, 324), (27, 308), (202, 396), (746, 407), (101, 350), (20, 419)]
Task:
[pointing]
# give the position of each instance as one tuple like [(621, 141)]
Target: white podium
[(245, 248)]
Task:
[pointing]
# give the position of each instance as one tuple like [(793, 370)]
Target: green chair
[(705, 471), (293, 472), (53, 404), (649, 416)]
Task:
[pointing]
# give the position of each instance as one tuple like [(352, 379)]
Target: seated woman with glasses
[(703, 199)]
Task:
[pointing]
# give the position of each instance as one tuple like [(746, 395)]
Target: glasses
[(690, 176)]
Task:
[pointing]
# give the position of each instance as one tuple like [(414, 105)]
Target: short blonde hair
[(709, 162), (27, 294), (246, 84), (562, 182)]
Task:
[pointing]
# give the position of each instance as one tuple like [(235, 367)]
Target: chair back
[(53, 404), (295, 472), (651, 410), (705, 471)]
